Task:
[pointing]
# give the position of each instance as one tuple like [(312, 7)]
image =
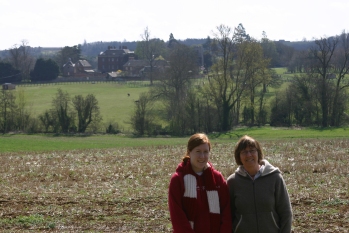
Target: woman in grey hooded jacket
[(258, 195)]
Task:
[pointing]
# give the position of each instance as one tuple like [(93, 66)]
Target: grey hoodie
[(260, 205)]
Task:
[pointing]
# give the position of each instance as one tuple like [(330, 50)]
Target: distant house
[(112, 75), (69, 68), (161, 65), (83, 66), (159, 68), (113, 59), (132, 67), (8, 86)]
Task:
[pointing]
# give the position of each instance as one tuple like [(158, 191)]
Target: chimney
[(131, 58)]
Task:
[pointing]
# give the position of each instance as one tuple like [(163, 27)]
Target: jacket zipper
[(255, 207)]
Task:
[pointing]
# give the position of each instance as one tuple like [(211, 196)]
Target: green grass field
[(115, 104), (41, 143), (113, 100)]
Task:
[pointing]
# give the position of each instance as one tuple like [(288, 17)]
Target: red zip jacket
[(198, 209)]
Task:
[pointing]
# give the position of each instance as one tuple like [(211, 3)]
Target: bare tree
[(341, 69), (221, 87), (20, 58), (173, 87), (142, 119), (148, 49), (227, 77), (23, 115), (269, 49), (182, 68), (87, 111), (47, 120), (322, 65), (62, 111), (255, 69), (8, 109)]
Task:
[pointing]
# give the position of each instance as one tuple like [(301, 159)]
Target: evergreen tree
[(8, 74), (44, 70)]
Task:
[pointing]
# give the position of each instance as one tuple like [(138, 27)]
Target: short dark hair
[(243, 143)]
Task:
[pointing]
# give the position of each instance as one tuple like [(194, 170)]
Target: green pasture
[(51, 143), (115, 104), (40, 143), (281, 133), (113, 100), (284, 74)]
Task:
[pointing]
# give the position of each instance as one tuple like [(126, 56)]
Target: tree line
[(237, 85), (239, 77), (66, 115), (24, 63), (21, 65)]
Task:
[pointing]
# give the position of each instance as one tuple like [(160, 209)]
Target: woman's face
[(249, 157), (199, 157)]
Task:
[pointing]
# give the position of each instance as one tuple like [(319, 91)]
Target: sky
[(59, 23)]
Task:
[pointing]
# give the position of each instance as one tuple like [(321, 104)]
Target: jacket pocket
[(268, 222), (265, 222), (238, 224), (272, 216), (245, 223)]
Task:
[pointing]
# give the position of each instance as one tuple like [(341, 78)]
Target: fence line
[(128, 83)]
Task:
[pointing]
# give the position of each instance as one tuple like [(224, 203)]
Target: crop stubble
[(125, 190)]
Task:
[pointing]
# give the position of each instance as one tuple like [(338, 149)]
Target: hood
[(267, 169), (181, 167), (187, 169)]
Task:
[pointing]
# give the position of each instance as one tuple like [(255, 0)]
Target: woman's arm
[(179, 219), (283, 206), (224, 200)]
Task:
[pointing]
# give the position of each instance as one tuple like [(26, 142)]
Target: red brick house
[(132, 67), (83, 66), (80, 67), (113, 59), (141, 68), (69, 68)]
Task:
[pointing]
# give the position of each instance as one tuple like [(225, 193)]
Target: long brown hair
[(194, 141)]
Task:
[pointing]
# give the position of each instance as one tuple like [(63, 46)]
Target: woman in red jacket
[(198, 195)]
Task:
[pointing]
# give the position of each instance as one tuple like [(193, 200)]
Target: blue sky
[(53, 23)]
